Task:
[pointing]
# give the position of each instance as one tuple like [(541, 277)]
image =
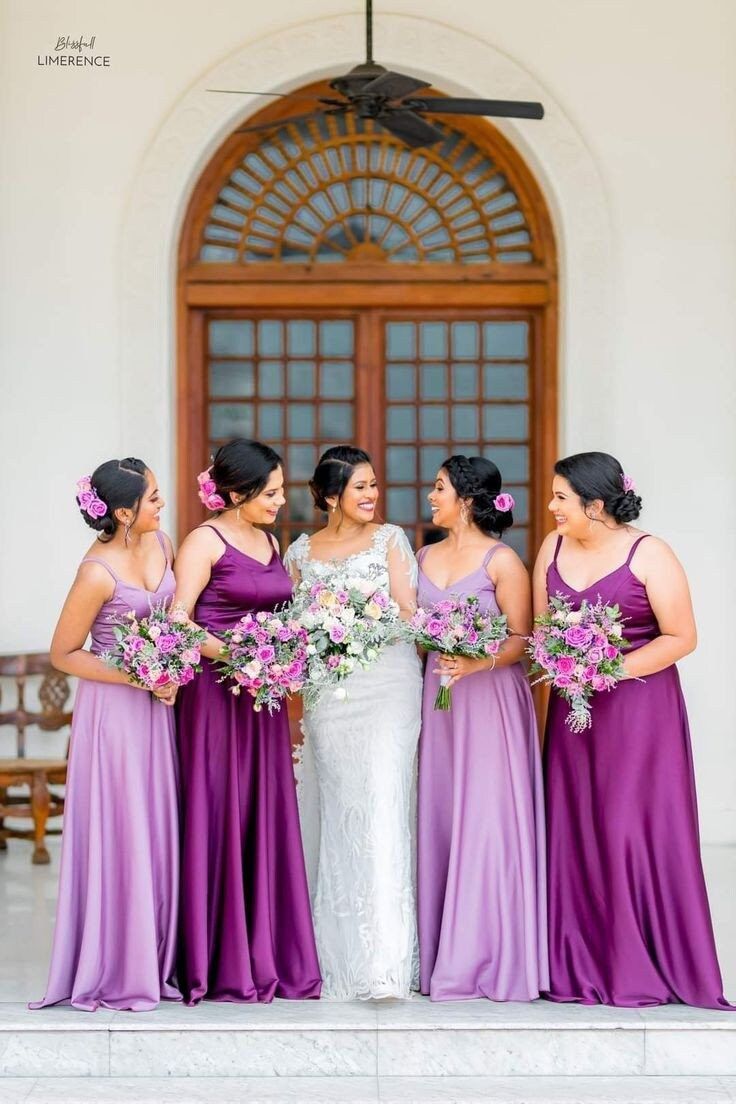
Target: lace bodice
[(372, 562)]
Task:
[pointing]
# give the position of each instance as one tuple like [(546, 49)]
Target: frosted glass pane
[(401, 464), (302, 379), (336, 421), (431, 461), (270, 339), (465, 423), (231, 339), (511, 460), (505, 339), (337, 380), (464, 381), (400, 340), (401, 505), (433, 338), (271, 379), (302, 460), (465, 340), (505, 381), (231, 420), (518, 539), (505, 422), (401, 423), (521, 500), (401, 381), (300, 420), (231, 377), (301, 338), (270, 421), (433, 423), (301, 504), (336, 338), (433, 381)]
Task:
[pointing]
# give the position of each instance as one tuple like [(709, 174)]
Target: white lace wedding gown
[(356, 788)]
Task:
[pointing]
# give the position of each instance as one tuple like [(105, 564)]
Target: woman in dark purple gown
[(629, 922), (245, 929)]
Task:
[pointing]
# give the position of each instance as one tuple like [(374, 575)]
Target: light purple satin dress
[(114, 940), (481, 848)]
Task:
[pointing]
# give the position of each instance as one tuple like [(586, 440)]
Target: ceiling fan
[(370, 91)]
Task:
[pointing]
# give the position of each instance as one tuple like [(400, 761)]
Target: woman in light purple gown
[(481, 854), (114, 939), (629, 922), (246, 928)]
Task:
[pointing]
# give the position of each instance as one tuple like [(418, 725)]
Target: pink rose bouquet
[(265, 654), (348, 621), (155, 650), (578, 653), (458, 627)]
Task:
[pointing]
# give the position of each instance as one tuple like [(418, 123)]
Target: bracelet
[(491, 668)]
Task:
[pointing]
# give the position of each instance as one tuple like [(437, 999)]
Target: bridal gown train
[(356, 800)]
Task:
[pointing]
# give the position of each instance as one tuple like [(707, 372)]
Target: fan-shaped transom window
[(339, 189)]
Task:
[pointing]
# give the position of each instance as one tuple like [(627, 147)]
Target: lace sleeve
[(402, 570), (294, 558)]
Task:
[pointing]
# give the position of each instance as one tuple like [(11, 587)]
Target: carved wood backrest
[(53, 695)]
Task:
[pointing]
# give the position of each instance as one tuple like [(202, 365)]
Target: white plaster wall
[(643, 107)]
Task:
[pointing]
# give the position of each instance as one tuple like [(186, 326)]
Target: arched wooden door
[(335, 286)]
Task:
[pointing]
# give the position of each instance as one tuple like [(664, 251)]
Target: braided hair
[(478, 479)]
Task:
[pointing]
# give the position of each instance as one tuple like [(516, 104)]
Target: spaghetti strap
[(96, 559), (162, 544), (421, 553), (214, 529), (634, 547), (490, 554), (558, 546)]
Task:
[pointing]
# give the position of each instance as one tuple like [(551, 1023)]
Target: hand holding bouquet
[(578, 653), (158, 650), (348, 621), (458, 627), (265, 654)]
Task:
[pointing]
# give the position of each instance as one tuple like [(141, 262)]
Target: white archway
[(189, 136)]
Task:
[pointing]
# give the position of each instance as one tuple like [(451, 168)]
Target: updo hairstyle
[(119, 484), (243, 467), (596, 475), (478, 479), (333, 473)]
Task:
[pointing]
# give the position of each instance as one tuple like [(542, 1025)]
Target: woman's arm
[(90, 590), (200, 550), (402, 575), (669, 596)]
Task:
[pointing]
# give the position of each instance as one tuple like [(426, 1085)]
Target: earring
[(333, 508), (464, 513), (127, 531), (237, 514)]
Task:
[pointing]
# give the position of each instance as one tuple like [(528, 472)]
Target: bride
[(357, 816)]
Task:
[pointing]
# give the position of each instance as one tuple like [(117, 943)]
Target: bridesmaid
[(482, 912), (246, 930), (629, 918), (115, 931)]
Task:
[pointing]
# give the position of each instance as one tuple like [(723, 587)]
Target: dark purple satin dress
[(246, 927), (629, 923)]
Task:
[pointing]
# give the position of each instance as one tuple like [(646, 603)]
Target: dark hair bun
[(243, 467), (118, 484), (478, 479), (333, 473), (598, 475)]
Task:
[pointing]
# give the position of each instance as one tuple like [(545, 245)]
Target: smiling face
[(146, 518), (571, 516), (357, 502), (264, 508), (444, 502)]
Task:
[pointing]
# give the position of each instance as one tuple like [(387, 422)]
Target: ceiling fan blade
[(394, 86), (510, 109), (410, 128), (276, 123)]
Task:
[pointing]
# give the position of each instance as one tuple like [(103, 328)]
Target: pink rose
[(190, 655), (265, 654), (96, 508), (185, 675), (562, 682), (598, 682), (504, 503), (595, 655), (565, 665), (590, 672), (578, 637), (166, 643), (610, 652), (337, 634), (85, 499), (209, 487)]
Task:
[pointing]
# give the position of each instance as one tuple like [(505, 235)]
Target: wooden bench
[(38, 803)]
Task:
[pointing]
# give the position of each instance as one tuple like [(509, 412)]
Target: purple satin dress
[(629, 923), (246, 927), (481, 851), (115, 933)]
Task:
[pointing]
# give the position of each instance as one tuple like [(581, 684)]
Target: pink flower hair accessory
[(628, 483), (208, 495), (504, 503), (88, 499)]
